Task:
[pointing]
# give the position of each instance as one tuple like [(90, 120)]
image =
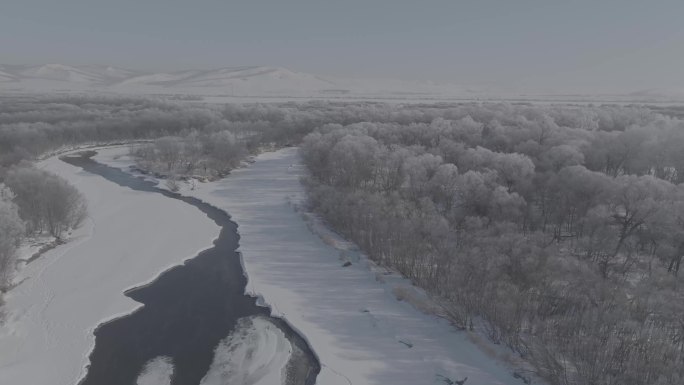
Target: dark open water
[(188, 309)]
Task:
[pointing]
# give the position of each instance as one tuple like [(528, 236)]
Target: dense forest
[(558, 230)]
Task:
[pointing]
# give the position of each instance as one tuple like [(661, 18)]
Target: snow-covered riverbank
[(353, 321), (128, 239)]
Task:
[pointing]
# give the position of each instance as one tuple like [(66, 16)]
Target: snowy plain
[(350, 315), (127, 240)]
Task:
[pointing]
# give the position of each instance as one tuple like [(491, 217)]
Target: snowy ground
[(127, 240), (350, 315)]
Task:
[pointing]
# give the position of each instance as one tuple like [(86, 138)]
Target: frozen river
[(189, 309)]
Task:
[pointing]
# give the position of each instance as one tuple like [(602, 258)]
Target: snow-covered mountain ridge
[(265, 81), (246, 80)]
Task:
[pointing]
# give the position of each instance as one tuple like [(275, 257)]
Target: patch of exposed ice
[(158, 371), (256, 353)]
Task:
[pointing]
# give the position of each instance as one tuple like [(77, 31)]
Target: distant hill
[(230, 81), (263, 81), (660, 93)]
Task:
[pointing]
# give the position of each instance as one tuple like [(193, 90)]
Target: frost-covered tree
[(560, 228), (11, 233), (47, 202)]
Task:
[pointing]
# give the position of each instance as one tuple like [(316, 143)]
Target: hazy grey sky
[(567, 45)]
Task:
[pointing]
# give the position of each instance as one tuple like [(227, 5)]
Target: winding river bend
[(187, 310)]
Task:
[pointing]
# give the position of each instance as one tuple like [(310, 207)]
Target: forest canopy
[(559, 229)]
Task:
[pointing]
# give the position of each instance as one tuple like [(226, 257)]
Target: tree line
[(34, 202), (559, 230)]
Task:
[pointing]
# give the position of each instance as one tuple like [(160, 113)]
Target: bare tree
[(11, 234), (47, 202)]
